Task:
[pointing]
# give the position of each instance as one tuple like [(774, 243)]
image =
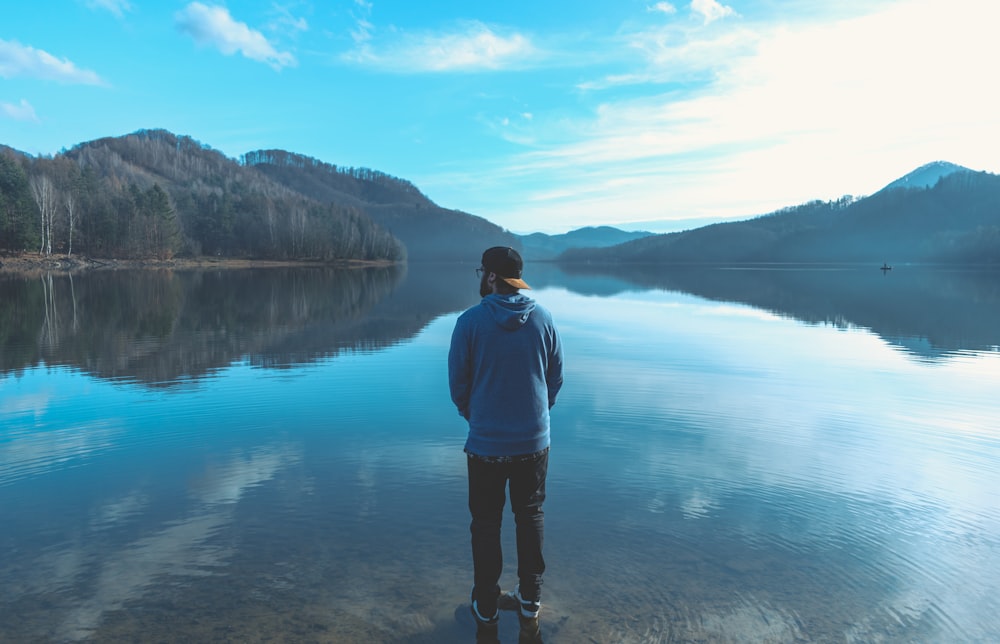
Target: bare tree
[(71, 215), (43, 191), (297, 224), (270, 225)]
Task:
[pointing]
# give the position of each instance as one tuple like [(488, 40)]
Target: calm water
[(779, 455)]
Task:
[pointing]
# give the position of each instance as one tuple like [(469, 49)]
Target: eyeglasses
[(479, 272)]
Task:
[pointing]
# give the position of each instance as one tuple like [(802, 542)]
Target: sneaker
[(512, 600), (480, 618)]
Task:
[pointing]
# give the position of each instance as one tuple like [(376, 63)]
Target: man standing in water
[(504, 371)]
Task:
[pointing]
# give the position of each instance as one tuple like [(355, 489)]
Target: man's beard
[(484, 287)]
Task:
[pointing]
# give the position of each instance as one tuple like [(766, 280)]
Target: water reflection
[(154, 545), (163, 327), (927, 312), (812, 471), (720, 472), (166, 327)]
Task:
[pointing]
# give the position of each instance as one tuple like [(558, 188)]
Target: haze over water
[(738, 455)]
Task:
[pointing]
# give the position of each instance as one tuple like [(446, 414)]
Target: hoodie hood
[(509, 311)]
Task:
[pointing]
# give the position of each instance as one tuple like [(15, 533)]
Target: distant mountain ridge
[(540, 246), (939, 213)]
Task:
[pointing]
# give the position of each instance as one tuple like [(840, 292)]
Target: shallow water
[(738, 456)]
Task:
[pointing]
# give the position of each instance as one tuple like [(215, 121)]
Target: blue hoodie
[(504, 371)]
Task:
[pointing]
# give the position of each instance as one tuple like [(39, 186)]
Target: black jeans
[(487, 495)]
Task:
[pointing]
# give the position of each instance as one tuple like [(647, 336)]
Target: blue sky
[(540, 116)]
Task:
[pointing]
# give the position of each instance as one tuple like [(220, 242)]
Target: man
[(504, 371)]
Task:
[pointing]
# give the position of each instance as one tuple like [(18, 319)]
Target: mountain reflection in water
[(162, 327), (929, 312)]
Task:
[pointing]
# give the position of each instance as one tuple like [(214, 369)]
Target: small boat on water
[(886, 267)]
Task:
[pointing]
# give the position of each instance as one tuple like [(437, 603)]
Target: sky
[(539, 116)]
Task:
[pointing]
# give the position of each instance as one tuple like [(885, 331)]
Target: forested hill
[(954, 220), (428, 231), (327, 182), (154, 194)]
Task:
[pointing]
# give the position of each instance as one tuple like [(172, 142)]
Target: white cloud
[(22, 111), (362, 33), (781, 115), (22, 60), (286, 22), (710, 10), (117, 7), (474, 47), (215, 26), (673, 54), (662, 7)]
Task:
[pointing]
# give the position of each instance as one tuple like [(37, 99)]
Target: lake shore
[(30, 262)]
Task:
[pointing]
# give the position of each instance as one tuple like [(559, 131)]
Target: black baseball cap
[(506, 263)]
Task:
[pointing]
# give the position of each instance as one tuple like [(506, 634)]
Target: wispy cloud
[(214, 26), (474, 46), (780, 115), (680, 55), (710, 10), (286, 22), (116, 7), (363, 27), (22, 111), (662, 7), (22, 60)]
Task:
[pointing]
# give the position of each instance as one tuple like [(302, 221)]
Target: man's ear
[(492, 278)]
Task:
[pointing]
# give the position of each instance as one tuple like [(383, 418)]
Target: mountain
[(661, 226), (955, 220), (428, 231), (539, 246), (156, 194), (926, 175), (153, 193)]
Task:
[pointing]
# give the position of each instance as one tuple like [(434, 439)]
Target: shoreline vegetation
[(31, 262)]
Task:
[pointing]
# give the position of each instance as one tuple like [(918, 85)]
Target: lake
[(765, 454)]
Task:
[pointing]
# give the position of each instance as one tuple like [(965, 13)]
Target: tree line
[(429, 231), (371, 186), (152, 194)]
